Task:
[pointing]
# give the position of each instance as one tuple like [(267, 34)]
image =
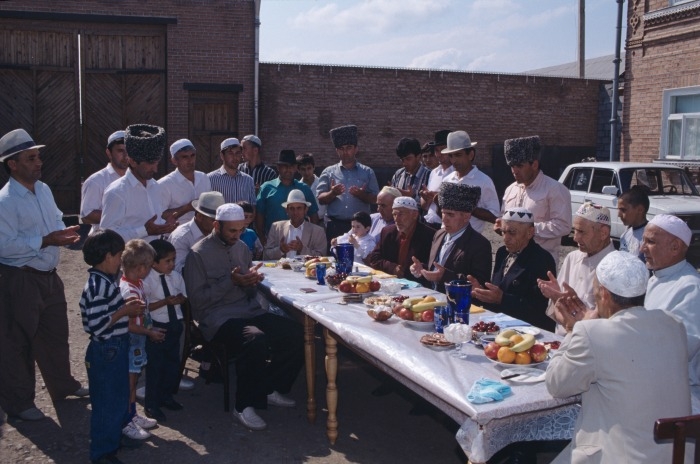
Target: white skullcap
[(594, 213), (623, 274), (518, 214), (229, 212), (673, 226), (405, 202), (180, 145), (120, 134), (232, 142)]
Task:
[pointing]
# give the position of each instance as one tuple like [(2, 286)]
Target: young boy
[(306, 167), (165, 291), (249, 237), (358, 236), (632, 208), (137, 260), (105, 317)]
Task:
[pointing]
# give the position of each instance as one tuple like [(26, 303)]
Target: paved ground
[(372, 429)]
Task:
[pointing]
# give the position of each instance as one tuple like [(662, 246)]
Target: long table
[(441, 378)]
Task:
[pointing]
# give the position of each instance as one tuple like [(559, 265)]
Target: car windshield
[(659, 181)]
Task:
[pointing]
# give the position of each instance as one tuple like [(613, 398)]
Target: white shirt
[(153, 288), (293, 234), (182, 239), (93, 189), (178, 190), (378, 223), (489, 197), (321, 208), (127, 205), (437, 175)]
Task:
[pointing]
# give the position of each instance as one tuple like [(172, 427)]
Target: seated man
[(222, 286), (519, 263), (625, 377), (295, 236), (399, 242), (457, 250), (383, 217)]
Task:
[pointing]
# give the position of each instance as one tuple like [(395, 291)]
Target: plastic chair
[(679, 429)]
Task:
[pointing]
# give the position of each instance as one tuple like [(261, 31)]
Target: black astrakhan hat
[(458, 197), (522, 150), (344, 135), (144, 143)]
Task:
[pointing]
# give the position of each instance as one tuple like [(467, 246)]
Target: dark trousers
[(336, 228), (163, 371), (107, 363), (33, 328), (267, 363)]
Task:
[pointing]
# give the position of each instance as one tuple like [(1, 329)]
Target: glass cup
[(321, 273)]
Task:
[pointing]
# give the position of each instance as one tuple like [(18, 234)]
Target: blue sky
[(466, 35)]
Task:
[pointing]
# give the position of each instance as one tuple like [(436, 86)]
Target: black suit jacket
[(386, 253), (522, 297), (471, 255)]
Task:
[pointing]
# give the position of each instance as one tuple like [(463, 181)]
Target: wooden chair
[(218, 351), (679, 429)]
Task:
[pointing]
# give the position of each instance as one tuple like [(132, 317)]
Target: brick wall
[(300, 103)]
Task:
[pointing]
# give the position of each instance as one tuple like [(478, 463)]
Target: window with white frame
[(680, 133), (678, 2)]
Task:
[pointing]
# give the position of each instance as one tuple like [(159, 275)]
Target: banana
[(365, 279), (311, 262), (526, 344), (503, 338), (420, 307)]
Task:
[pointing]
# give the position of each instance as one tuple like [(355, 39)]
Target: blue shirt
[(344, 206), (25, 218), (273, 194), (234, 188)]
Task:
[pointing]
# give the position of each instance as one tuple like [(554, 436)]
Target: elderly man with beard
[(222, 283), (513, 289), (383, 216), (457, 250), (400, 242)]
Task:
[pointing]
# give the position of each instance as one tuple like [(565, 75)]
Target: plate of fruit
[(310, 266), (511, 347), (418, 312), (358, 285)]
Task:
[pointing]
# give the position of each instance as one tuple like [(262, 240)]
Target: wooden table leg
[(331, 388), (310, 362)]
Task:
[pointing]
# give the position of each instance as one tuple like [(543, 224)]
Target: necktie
[(172, 315), (509, 262)]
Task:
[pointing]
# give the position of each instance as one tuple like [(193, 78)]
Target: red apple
[(406, 314), (491, 350), (397, 309), (538, 352), (374, 286), (428, 316), (345, 287)]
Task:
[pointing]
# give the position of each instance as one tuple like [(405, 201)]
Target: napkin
[(504, 321), (486, 390), (405, 283), (476, 309)]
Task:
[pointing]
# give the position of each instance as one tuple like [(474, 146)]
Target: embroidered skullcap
[(144, 142), (229, 212), (518, 214), (522, 150), (623, 274), (344, 135), (180, 145), (118, 135), (405, 202), (594, 213), (458, 197), (673, 226)]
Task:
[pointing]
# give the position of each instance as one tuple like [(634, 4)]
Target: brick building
[(662, 83)]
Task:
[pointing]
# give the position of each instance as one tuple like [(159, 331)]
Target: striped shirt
[(100, 299), (404, 180), (260, 173), (234, 188)]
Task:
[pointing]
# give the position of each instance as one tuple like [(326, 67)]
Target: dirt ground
[(398, 427)]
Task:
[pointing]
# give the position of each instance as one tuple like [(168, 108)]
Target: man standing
[(33, 320), (253, 164), (401, 242), (548, 200), (233, 184), (296, 236), (94, 186), (274, 192), (133, 205), (627, 379), (462, 154), (457, 250), (306, 166), (413, 176), (428, 157), (222, 286), (184, 185), (520, 262), (383, 217), (429, 194), (346, 187)]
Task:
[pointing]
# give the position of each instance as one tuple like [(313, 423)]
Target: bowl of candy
[(483, 328)]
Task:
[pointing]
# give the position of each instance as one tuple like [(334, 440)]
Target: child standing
[(632, 210), (105, 317), (165, 291), (249, 237), (137, 260), (358, 236)]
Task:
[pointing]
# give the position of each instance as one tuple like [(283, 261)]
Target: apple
[(538, 352), (491, 350), (345, 287), (428, 316), (397, 309), (374, 286), (406, 314)]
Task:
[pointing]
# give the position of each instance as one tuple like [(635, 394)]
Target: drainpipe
[(581, 39), (256, 70), (616, 81)]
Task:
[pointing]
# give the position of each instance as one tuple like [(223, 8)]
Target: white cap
[(594, 213), (405, 202), (180, 145), (229, 212), (518, 214), (673, 226), (458, 140), (623, 274), (295, 196), (253, 138), (232, 142), (120, 134)]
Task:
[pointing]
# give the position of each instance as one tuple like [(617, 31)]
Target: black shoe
[(171, 405), (108, 459), (129, 443), (155, 413)]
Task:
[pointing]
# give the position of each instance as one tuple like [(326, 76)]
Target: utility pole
[(616, 81), (581, 38)]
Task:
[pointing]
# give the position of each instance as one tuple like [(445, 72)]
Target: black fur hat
[(344, 135), (144, 143), (458, 197), (522, 150)]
